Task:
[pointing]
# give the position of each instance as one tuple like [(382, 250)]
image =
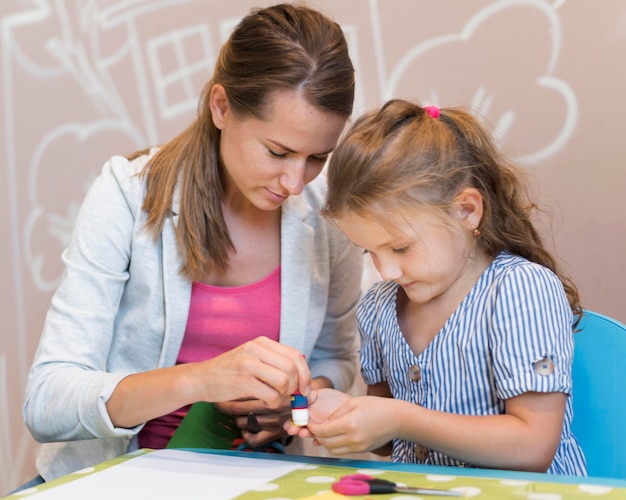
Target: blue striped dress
[(510, 335)]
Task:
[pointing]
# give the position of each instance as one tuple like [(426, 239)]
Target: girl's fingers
[(324, 430)]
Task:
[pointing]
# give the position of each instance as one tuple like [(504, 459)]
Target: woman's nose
[(293, 177)]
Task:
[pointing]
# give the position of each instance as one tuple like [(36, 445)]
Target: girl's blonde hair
[(400, 158)]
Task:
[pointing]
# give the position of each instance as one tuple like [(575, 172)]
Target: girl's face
[(266, 161), (428, 259)]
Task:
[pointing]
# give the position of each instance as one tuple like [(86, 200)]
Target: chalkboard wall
[(81, 81)]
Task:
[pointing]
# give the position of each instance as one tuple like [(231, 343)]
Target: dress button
[(415, 373), (421, 452), (544, 366)]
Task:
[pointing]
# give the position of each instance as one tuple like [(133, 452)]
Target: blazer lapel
[(296, 246), (176, 292)]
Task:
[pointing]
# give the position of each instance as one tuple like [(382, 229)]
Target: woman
[(202, 270)]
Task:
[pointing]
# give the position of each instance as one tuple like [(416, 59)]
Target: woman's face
[(266, 161)]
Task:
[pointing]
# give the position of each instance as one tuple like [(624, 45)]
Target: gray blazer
[(122, 308)]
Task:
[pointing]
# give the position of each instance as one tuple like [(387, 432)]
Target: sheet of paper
[(167, 474)]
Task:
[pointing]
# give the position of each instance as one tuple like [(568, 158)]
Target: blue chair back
[(599, 394)]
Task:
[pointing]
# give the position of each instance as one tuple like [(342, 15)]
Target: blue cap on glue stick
[(299, 409)]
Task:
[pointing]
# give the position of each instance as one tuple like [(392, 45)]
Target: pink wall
[(80, 81)]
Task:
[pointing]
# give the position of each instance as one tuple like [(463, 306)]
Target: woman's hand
[(273, 422), (260, 369), (268, 372), (270, 421)]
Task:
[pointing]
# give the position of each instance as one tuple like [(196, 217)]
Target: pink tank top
[(220, 319)]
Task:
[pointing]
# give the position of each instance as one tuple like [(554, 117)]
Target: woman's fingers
[(263, 437), (263, 416), (283, 360), (256, 406), (261, 369)]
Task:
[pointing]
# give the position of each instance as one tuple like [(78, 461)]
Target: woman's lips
[(276, 197)]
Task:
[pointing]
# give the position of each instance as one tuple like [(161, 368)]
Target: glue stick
[(299, 409)]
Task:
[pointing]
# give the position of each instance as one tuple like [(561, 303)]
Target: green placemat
[(315, 481)]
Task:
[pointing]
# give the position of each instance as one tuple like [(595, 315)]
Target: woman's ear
[(218, 102), (468, 206)]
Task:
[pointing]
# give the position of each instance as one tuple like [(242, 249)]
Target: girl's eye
[(319, 159), (401, 250)]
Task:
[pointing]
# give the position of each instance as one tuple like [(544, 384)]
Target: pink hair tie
[(432, 111)]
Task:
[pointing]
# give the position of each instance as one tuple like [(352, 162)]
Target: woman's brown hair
[(282, 47)]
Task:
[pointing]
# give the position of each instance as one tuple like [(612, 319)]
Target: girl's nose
[(388, 269)]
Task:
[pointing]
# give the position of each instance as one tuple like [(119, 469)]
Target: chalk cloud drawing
[(487, 71)]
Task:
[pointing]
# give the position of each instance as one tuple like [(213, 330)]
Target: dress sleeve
[(531, 336), (369, 315)]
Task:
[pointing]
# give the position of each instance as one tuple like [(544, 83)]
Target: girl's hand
[(358, 424), (322, 404)]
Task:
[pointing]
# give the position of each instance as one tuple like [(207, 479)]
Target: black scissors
[(362, 484)]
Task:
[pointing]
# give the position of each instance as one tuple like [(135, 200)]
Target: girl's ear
[(218, 102), (468, 205)]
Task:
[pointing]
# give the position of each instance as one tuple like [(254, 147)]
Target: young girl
[(470, 333)]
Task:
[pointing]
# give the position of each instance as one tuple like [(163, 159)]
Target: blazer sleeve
[(71, 378)]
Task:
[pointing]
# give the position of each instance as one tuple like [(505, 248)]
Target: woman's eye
[(277, 155)]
